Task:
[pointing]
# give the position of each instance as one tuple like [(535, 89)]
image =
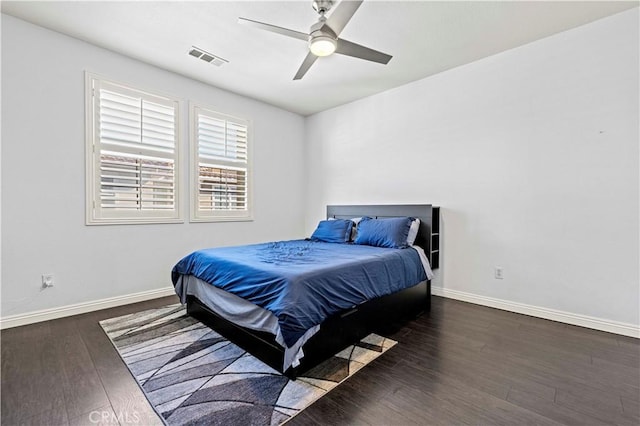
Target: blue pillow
[(391, 232), (333, 231)]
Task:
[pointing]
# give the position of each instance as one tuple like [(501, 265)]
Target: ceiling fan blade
[(274, 29), (306, 64), (348, 48), (342, 14)]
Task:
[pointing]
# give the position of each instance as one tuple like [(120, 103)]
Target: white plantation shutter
[(134, 156), (220, 167)]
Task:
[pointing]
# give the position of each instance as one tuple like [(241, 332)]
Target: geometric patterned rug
[(192, 375)]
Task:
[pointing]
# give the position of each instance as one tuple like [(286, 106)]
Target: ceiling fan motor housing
[(322, 40)]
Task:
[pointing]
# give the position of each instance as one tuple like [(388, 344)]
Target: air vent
[(206, 56)]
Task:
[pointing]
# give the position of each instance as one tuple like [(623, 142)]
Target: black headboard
[(424, 212)]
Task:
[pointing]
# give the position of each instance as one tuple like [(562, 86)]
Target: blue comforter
[(304, 282)]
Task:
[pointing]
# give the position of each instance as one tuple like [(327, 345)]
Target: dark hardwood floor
[(460, 364)]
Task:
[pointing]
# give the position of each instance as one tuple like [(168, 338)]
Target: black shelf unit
[(434, 255)]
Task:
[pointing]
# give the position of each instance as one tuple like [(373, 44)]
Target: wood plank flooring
[(459, 364)]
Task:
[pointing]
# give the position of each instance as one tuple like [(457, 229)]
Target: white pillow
[(355, 221), (354, 230), (413, 231)]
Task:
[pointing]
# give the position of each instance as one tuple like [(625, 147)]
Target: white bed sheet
[(243, 313)]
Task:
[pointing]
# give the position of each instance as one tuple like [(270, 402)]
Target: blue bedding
[(304, 282)]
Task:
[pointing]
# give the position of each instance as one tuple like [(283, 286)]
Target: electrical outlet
[(498, 273), (47, 280)]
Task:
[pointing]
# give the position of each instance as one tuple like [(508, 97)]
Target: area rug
[(192, 375)]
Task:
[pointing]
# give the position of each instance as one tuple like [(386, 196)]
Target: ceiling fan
[(323, 36)]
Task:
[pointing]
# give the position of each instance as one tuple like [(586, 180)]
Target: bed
[(251, 294)]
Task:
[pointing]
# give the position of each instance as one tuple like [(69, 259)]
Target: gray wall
[(533, 154), (43, 176)]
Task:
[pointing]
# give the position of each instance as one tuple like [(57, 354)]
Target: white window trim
[(92, 181), (216, 216)]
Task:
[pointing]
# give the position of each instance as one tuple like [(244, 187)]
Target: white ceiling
[(424, 37)]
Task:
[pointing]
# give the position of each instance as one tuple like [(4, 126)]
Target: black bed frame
[(344, 328)]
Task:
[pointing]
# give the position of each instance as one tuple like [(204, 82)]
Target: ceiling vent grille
[(196, 52)]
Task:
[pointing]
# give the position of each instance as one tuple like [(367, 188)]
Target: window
[(220, 167), (132, 155)]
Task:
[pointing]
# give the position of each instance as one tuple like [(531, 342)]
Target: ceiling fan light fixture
[(322, 45)]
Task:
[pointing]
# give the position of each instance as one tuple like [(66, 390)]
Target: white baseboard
[(81, 308), (624, 329), (521, 308)]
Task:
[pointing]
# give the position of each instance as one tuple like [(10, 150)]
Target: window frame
[(95, 215), (197, 215)]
